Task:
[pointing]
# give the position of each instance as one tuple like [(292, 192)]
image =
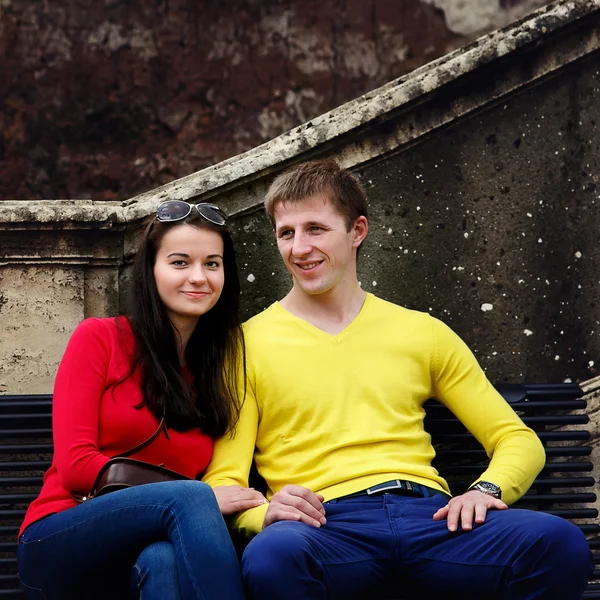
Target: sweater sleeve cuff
[(250, 522), (510, 494)]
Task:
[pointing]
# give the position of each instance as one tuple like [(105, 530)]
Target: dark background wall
[(491, 224), (107, 99)]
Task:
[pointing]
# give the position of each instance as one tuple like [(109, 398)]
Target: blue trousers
[(389, 547), (164, 541)]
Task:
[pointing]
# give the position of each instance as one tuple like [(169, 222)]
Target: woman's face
[(189, 272)]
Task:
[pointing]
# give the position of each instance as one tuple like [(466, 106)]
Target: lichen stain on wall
[(475, 17), (107, 100)]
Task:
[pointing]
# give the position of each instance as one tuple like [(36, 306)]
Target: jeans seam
[(30, 587), (183, 551), (139, 576), (89, 520)]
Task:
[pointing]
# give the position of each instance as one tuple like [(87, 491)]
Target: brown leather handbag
[(121, 472)]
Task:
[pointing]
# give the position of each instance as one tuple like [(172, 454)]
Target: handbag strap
[(161, 426)]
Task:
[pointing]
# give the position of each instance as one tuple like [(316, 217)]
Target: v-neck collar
[(338, 337)]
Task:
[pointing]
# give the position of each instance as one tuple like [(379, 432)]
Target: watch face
[(488, 488)]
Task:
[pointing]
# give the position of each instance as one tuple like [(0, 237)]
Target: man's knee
[(276, 553), (557, 547), (566, 543)]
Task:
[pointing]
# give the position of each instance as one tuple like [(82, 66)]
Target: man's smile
[(309, 266)]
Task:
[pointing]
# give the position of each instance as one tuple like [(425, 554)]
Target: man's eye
[(316, 228), (285, 234)]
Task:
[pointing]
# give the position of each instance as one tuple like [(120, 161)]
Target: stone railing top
[(61, 211), (325, 129)]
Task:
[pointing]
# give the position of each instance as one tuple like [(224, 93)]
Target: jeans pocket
[(27, 570)]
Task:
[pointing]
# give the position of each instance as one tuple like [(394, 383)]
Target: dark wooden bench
[(555, 412)]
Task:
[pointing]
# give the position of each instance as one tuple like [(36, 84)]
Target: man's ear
[(360, 230)]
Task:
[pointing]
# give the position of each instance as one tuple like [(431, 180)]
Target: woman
[(177, 355)]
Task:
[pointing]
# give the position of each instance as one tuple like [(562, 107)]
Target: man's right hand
[(296, 503)]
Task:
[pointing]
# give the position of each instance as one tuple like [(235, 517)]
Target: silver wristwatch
[(488, 488)]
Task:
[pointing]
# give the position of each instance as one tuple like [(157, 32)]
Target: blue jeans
[(389, 547), (164, 541)]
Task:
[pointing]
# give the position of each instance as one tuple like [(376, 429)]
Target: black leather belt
[(397, 486)]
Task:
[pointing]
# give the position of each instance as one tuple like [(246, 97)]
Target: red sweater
[(90, 426)]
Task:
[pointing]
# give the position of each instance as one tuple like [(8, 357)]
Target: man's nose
[(301, 245)]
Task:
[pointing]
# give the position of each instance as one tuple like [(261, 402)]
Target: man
[(336, 380)]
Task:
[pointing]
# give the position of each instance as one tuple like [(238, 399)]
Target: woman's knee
[(196, 495), (185, 493), (195, 489)]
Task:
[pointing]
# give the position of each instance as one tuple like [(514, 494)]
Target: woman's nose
[(196, 274)]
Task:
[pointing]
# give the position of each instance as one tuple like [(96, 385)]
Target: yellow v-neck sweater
[(340, 413)]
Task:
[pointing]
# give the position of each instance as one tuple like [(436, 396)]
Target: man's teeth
[(308, 266)]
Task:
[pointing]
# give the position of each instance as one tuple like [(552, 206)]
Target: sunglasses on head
[(176, 210)]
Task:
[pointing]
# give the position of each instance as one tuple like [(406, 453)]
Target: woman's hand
[(234, 498)]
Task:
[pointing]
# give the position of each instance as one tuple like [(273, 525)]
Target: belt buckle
[(391, 485)]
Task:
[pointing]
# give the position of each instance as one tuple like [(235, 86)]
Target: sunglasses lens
[(212, 213), (173, 210)]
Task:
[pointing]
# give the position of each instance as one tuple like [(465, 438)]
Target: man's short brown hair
[(319, 177)]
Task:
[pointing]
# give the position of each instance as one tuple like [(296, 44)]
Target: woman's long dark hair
[(215, 353)]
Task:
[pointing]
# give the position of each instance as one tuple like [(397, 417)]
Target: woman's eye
[(179, 263), (213, 264)]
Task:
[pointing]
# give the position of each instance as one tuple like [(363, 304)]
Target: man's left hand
[(462, 509)]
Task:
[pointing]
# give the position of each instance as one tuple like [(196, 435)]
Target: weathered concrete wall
[(455, 157), (107, 99), (52, 275), (493, 225), (26, 343), (490, 222)]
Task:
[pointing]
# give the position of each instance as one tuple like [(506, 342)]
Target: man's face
[(316, 247)]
